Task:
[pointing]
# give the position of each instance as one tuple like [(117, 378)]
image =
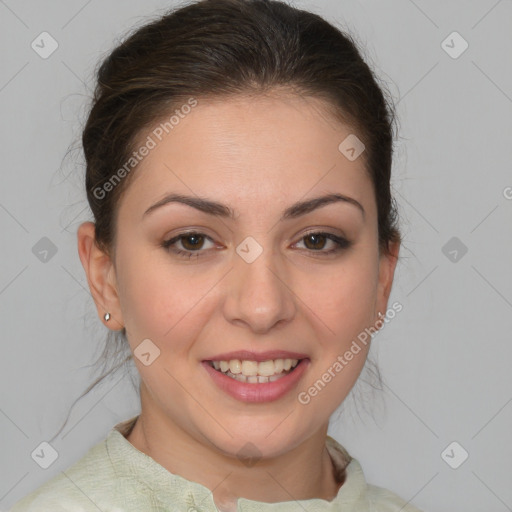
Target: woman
[(244, 242)]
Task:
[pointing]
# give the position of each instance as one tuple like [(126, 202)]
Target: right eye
[(191, 242)]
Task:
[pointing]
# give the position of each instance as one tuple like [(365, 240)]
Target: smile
[(248, 380), (254, 372)]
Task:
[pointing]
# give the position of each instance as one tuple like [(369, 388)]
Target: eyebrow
[(222, 210)]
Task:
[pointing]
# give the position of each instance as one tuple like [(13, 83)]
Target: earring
[(107, 317)]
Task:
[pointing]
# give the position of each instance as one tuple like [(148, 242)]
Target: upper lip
[(247, 355)]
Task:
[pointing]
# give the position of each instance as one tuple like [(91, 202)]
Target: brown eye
[(192, 242), (188, 244), (317, 242)]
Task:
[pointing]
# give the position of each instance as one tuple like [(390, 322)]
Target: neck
[(304, 472)]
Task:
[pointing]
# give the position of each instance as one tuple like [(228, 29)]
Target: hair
[(223, 48)]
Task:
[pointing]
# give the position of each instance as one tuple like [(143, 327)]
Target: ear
[(100, 272), (387, 265)]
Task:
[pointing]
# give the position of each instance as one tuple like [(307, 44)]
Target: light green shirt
[(114, 476)]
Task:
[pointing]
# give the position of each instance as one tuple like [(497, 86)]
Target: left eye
[(316, 242)]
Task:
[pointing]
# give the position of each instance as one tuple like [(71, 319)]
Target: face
[(263, 275)]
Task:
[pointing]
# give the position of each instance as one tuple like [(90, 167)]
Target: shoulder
[(80, 488), (356, 493), (383, 500)]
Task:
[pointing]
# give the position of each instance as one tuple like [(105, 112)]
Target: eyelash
[(342, 244)]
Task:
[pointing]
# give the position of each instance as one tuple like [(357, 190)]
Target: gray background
[(445, 358)]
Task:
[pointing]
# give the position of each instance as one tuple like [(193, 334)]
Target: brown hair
[(214, 48)]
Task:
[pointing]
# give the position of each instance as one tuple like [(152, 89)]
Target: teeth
[(235, 366), (266, 368), (249, 368), (254, 372)]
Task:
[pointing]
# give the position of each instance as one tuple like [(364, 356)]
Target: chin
[(256, 438)]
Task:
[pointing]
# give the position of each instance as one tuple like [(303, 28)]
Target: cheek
[(344, 302), (162, 302), (343, 299)]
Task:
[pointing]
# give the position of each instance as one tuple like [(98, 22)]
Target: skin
[(258, 155)]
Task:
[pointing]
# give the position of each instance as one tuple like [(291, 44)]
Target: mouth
[(254, 372), (251, 377)]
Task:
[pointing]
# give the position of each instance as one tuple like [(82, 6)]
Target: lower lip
[(258, 392)]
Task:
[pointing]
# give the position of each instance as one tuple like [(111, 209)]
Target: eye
[(191, 244), (317, 241)]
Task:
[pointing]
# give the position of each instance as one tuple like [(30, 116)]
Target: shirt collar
[(169, 488)]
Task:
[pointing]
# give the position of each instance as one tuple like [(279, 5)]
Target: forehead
[(248, 150)]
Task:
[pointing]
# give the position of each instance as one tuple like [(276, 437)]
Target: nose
[(258, 295)]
